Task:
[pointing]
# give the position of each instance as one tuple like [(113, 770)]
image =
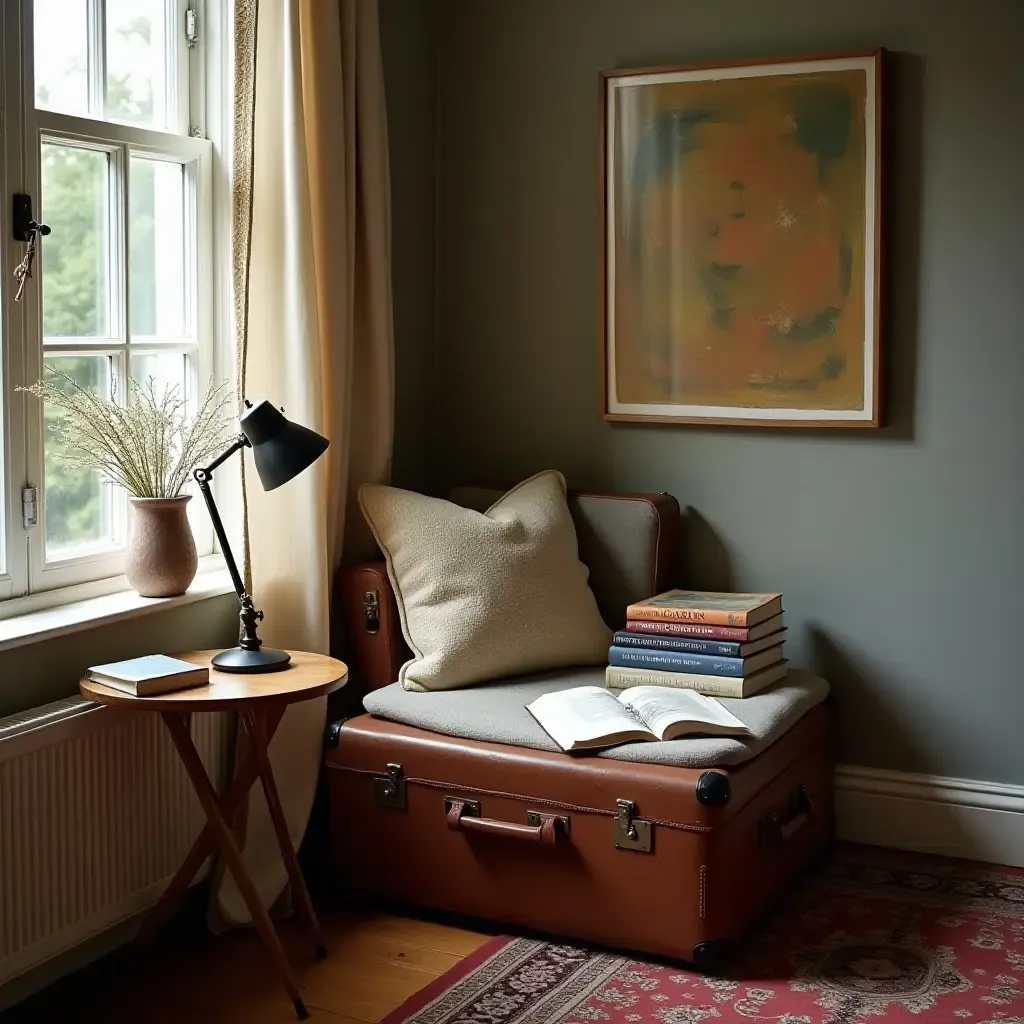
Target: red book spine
[(688, 629)]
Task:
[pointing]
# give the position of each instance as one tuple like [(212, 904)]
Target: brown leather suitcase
[(665, 860)]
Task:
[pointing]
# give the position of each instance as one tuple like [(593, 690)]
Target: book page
[(586, 716), (662, 707)]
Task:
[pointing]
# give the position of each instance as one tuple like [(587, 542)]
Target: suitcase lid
[(698, 799)]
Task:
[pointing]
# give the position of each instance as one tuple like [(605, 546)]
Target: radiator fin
[(96, 814)]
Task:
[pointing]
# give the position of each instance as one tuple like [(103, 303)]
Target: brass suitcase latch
[(371, 611), (389, 790), (631, 833)]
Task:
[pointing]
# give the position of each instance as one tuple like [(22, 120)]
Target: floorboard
[(375, 962)]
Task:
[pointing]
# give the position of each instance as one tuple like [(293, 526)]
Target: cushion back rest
[(627, 541)]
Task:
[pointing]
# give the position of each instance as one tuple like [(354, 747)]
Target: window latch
[(191, 27), (29, 508)]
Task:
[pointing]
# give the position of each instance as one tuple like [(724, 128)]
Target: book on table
[(150, 675), (620, 678), (592, 718), (708, 607)]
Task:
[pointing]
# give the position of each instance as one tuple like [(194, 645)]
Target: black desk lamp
[(281, 450)]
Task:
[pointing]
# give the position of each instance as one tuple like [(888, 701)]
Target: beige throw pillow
[(486, 595)]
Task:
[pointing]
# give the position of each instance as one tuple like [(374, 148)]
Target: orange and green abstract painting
[(742, 211)]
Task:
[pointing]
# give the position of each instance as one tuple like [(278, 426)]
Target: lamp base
[(237, 659)]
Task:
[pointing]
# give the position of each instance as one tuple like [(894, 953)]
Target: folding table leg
[(205, 844), (178, 728), (258, 727)]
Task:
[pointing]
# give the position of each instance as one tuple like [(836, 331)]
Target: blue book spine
[(647, 641), (675, 661)]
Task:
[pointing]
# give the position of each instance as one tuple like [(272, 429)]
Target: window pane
[(61, 31), (137, 62), (79, 506), (167, 370), (75, 256), (171, 369), (157, 269)]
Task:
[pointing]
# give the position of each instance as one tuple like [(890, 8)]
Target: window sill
[(85, 612)]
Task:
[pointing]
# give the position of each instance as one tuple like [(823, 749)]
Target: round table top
[(307, 676)]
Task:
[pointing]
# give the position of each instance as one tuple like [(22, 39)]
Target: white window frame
[(24, 565)]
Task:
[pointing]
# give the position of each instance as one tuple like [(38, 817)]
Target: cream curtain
[(312, 277)]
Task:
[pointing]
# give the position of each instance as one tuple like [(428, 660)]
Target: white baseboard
[(965, 818)]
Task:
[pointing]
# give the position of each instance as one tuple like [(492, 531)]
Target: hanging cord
[(23, 271)]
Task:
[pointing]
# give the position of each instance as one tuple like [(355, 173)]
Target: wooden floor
[(375, 962)]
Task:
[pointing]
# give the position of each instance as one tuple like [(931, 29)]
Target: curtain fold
[(312, 283)]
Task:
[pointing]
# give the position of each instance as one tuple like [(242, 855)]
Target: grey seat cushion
[(496, 713)]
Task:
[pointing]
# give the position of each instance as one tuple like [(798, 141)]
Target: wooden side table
[(261, 701)]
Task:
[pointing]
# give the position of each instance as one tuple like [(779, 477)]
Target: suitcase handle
[(464, 816), (779, 826)]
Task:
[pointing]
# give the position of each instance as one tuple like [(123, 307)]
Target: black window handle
[(23, 225)]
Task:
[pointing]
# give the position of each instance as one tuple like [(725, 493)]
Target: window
[(104, 103)]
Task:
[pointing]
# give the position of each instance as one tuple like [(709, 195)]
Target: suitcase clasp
[(371, 611), (631, 833), (389, 790)]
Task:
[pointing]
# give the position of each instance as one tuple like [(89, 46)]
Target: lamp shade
[(280, 448)]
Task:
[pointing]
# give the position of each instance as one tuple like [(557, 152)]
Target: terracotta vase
[(161, 559)]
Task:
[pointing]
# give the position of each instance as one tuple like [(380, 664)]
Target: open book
[(590, 717)]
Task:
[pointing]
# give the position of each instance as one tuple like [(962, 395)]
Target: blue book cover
[(149, 666), (686, 645), (701, 664), (150, 675)]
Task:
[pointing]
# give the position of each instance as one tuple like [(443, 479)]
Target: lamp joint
[(249, 616)]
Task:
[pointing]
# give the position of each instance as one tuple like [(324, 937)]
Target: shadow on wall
[(901, 240), (861, 708), (860, 702), (704, 559)]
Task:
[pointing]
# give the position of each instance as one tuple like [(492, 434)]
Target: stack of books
[(725, 645)]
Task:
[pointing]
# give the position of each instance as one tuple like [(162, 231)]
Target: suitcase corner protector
[(713, 789)]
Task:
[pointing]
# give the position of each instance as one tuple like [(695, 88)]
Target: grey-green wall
[(409, 36), (900, 551), (42, 672)]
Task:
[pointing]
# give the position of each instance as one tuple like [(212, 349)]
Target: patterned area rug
[(900, 939)]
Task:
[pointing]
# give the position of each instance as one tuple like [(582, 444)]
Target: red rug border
[(418, 1000)]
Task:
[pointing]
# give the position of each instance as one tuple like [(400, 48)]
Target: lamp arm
[(240, 442), (203, 476)]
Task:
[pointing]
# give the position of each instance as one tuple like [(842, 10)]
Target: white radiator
[(96, 814)]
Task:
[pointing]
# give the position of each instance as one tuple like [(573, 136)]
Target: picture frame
[(740, 228)]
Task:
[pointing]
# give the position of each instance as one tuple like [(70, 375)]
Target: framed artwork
[(740, 242)]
